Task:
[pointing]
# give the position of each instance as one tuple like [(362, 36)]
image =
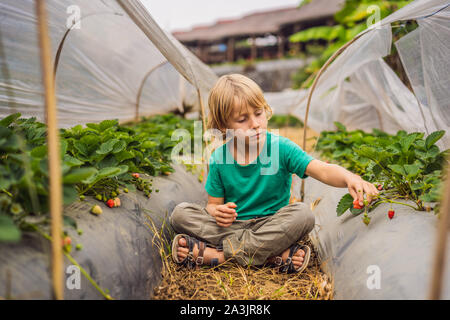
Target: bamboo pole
[(441, 241), (53, 150), (202, 108)]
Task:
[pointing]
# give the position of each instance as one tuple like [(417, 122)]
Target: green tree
[(350, 21)]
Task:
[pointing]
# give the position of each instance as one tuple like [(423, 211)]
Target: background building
[(257, 35)]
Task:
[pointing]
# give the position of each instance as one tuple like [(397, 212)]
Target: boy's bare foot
[(210, 253), (297, 258)]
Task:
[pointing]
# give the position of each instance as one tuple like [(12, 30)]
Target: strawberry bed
[(402, 166), (390, 255), (117, 182)]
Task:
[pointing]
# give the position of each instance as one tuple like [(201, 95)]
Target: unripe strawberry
[(96, 210), (366, 220), (99, 197), (125, 190), (116, 202), (391, 214), (110, 203)]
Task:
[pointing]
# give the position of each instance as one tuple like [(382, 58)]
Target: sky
[(179, 15)]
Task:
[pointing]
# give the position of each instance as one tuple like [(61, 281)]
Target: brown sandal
[(189, 260), (287, 266)]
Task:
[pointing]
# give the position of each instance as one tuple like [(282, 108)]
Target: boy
[(248, 217)]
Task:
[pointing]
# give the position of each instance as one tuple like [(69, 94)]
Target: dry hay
[(230, 281)]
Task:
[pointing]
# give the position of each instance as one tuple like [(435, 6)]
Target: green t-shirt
[(262, 187)]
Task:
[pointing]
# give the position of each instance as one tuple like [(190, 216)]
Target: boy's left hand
[(357, 187)]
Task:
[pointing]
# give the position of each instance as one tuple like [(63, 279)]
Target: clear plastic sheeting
[(425, 53), (360, 90), (285, 101), (107, 67)]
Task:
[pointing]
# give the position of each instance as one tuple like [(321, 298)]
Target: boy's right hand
[(225, 214)]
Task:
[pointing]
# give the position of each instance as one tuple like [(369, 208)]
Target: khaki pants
[(246, 241)]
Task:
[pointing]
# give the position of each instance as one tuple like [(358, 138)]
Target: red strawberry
[(356, 204), (391, 214), (67, 241), (135, 175), (380, 187), (110, 203)]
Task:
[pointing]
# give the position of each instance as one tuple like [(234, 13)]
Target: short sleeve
[(296, 160), (214, 185)]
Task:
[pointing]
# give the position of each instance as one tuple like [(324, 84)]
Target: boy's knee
[(304, 218), (310, 220), (178, 215)]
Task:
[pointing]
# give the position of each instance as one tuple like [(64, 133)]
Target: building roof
[(259, 23)]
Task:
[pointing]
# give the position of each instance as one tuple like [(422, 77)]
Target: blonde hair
[(222, 98)]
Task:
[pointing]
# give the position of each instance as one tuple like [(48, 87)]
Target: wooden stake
[(441, 241), (55, 191), (202, 108)]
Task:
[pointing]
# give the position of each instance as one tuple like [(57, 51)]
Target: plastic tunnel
[(112, 61), (106, 66)]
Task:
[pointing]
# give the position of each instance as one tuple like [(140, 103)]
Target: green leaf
[(355, 212), (321, 32), (69, 221), (70, 194), (340, 126), (8, 230), (79, 175), (71, 161), (344, 204), (433, 138), (109, 172), (119, 146), (123, 169), (399, 169), (107, 146), (106, 124), (407, 141), (39, 152), (5, 122), (124, 155), (412, 170), (371, 153), (149, 144)]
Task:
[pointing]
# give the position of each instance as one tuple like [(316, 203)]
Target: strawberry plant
[(96, 160), (402, 166)]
